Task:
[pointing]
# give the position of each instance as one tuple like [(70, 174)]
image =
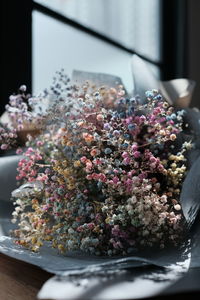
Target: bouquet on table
[(104, 173)]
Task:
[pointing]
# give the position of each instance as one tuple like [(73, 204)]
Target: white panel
[(134, 23), (56, 46)]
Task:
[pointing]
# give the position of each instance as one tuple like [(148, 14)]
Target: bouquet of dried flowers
[(105, 174)]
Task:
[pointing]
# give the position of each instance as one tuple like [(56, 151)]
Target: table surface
[(19, 280), (22, 281)]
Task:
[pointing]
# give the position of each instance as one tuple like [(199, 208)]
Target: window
[(41, 36), (132, 24), (69, 48)]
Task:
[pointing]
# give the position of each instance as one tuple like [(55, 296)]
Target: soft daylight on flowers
[(104, 175)]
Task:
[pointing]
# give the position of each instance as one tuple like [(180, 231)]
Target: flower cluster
[(7, 137), (105, 176), (31, 113), (28, 115)]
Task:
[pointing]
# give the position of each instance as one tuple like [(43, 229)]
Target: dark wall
[(15, 50)]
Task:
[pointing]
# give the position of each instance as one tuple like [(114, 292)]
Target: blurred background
[(42, 36)]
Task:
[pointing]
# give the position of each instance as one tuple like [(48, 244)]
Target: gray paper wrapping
[(121, 284), (8, 172), (51, 261), (177, 91), (98, 79)]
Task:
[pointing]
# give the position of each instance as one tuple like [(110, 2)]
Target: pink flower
[(4, 146), (89, 165), (80, 229), (129, 181), (115, 180), (95, 176), (97, 161), (90, 226), (42, 177), (102, 177), (94, 152), (19, 151), (136, 154), (142, 119), (152, 159), (39, 143), (125, 154), (134, 147), (126, 161), (83, 159)]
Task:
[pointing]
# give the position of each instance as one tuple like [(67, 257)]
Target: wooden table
[(19, 280), (22, 281)]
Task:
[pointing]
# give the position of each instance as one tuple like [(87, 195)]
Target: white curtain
[(134, 23)]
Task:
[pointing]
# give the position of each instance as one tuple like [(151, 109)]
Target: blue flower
[(149, 94), (131, 126), (107, 151)]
